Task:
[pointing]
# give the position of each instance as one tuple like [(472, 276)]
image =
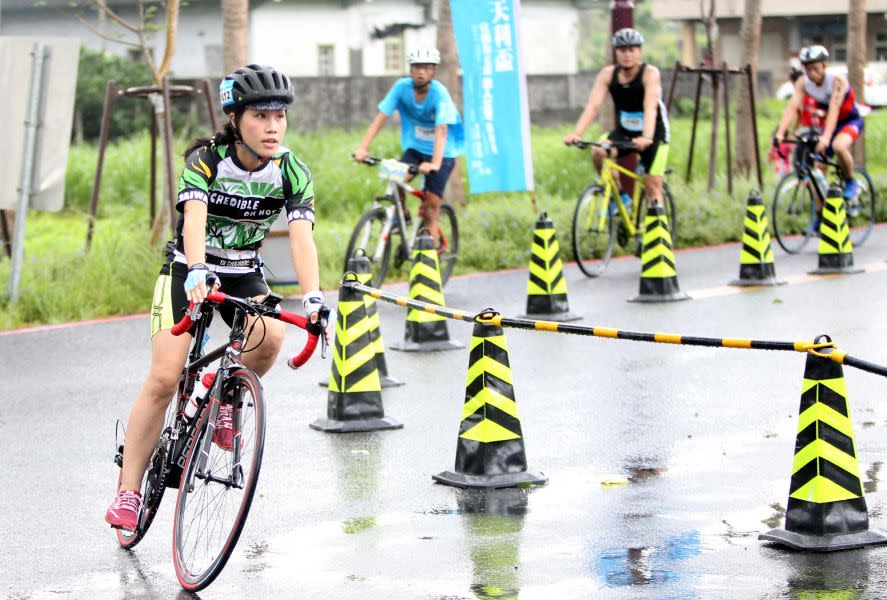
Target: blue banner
[(494, 88)]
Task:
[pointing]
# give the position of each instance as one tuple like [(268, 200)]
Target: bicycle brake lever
[(323, 318)]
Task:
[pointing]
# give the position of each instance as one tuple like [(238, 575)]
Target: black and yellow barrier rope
[(823, 350)]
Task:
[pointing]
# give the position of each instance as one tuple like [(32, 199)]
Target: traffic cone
[(756, 266), (359, 264), (826, 508), (835, 247), (659, 276), (354, 400), (425, 331), (547, 288), (490, 448)]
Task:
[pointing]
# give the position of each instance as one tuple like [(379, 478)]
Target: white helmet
[(424, 56), (812, 54)]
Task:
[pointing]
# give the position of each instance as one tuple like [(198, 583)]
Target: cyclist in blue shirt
[(431, 131)]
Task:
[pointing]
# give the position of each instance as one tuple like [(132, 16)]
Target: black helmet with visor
[(255, 86)]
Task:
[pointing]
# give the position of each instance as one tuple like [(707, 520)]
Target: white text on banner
[(494, 88)]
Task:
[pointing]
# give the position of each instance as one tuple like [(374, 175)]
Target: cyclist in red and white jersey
[(832, 94)]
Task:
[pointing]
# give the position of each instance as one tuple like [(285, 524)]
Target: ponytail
[(226, 135)]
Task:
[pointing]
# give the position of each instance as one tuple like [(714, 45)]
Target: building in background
[(786, 28), (304, 38)]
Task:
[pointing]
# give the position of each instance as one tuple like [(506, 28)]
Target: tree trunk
[(750, 34), (235, 32), (449, 74), (710, 20), (856, 59)]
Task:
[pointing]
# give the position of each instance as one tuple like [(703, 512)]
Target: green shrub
[(495, 228)]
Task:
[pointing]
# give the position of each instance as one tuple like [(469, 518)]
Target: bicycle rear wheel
[(861, 212), (368, 235), (216, 488), (594, 232), (448, 251), (153, 486), (793, 213)]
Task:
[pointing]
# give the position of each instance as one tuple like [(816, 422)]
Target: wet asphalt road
[(705, 438)]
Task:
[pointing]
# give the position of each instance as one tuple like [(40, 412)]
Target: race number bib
[(632, 121), (424, 134)]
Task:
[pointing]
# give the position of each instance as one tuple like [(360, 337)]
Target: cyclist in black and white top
[(232, 189)]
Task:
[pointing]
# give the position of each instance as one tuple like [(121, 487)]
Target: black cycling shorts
[(654, 158), (170, 302), (436, 181)]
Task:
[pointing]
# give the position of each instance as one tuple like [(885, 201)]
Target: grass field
[(60, 282)]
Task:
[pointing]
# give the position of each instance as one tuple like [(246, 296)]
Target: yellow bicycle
[(601, 219)]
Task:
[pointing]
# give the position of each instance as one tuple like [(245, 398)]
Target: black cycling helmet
[(255, 86), (627, 37), (812, 54)]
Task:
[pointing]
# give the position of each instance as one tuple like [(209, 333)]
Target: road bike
[(800, 192), (377, 227), (601, 219), (215, 486)]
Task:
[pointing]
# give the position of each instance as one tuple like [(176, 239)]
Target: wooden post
[(210, 107), (167, 149), (7, 224), (754, 124), (671, 88), (693, 127), (110, 92), (726, 73), (152, 184), (713, 145)]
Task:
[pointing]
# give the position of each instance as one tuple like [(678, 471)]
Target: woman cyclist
[(232, 189)]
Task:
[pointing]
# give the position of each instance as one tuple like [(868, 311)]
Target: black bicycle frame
[(182, 435), (806, 162)]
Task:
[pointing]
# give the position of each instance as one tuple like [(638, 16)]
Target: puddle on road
[(625, 567)]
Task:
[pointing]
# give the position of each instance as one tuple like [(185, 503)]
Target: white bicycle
[(377, 227)]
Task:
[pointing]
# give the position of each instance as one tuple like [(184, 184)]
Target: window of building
[(394, 56), (326, 60), (881, 46)]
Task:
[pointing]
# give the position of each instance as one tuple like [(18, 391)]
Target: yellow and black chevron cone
[(835, 247), (490, 448), (425, 331), (659, 276), (359, 264), (547, 287), (826, 505), (354, 400), (756, 265)]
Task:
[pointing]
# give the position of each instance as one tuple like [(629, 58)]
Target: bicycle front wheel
[(593, 231), (671, 216), (793, 213), (448, 250), (369, 235), (217, 485), (861, 210)]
